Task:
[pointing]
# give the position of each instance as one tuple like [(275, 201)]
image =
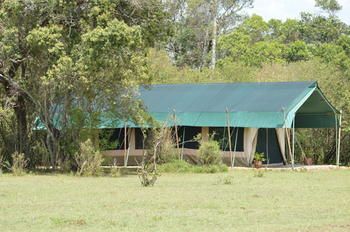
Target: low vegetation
[(312, 201), (88, 160), (209, 152), (181, 166), (19, 164)]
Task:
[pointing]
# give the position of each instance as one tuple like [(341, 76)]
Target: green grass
[(234, 201), (181, 166)]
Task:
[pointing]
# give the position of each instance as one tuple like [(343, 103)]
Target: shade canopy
[(257, 105), (250, 105)]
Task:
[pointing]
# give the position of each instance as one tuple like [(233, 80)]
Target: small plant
[(3, 163), (88, 160), (166, 147), (18, 164), (226, 180), (147, 172), (116, 172), (259, 158), (209, 151), (258, 173)]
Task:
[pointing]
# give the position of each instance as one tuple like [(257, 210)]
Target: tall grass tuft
[(19, 163), (88, 160)]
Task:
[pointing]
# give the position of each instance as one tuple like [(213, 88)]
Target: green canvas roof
[(256, 105), (260, 105)]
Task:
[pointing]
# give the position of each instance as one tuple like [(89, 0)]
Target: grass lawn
[(278, 201)]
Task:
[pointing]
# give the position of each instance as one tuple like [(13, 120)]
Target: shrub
[(259, 156), (181, 166), (209, 152), (88, 160), (147, 173), (166, 147), (3, 163), (176, 166), (212, 168), (18, 164)]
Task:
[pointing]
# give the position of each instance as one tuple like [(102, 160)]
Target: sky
[(283, 9)]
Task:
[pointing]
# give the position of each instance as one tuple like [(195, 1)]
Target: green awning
[(256, 105), (259, 105)]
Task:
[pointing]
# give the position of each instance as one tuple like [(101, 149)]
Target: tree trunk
[(21, 118), (19, 107), (214, 12)]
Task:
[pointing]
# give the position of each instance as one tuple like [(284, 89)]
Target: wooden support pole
[(205, 134), (288, 143), (229, 138), (338, 142), (183, 144), (125, 138), (293, 147), (267, 147), (132, 145), (177, 136)]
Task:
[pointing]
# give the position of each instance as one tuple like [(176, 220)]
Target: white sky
[(283, 9)]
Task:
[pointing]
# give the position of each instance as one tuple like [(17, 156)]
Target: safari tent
[(246, 118)]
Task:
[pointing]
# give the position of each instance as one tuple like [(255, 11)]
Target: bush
[(18, 164), (209, 152), (176, 166), (181, 166), (88, 160), (213, 168), (166, 150)]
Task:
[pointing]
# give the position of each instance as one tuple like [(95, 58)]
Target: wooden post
[(339, 135), (229, 138), (288, 143), (183, 144), (132, 138), (205, 134), (132, 147), (125, 136), (293, 147), (177, 136), (267, 147)]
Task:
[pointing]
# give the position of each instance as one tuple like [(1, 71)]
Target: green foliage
[(297, 51), (19, 164), (259, 156), (181, 166), (225, 180), (331, 6), (166, 149), (176, 166), (107, 141), (148, 173), (88, 160), (209, 152), (259, 173)]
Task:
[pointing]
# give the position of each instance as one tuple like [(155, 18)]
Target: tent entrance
[(267, 143)]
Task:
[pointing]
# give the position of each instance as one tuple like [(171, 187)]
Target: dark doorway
[(268, 144)]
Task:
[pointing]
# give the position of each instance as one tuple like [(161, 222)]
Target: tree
[(330, 6), (197, 26), (297, 51), (63, 59)]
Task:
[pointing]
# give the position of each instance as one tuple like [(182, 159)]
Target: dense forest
[(79, 59)]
